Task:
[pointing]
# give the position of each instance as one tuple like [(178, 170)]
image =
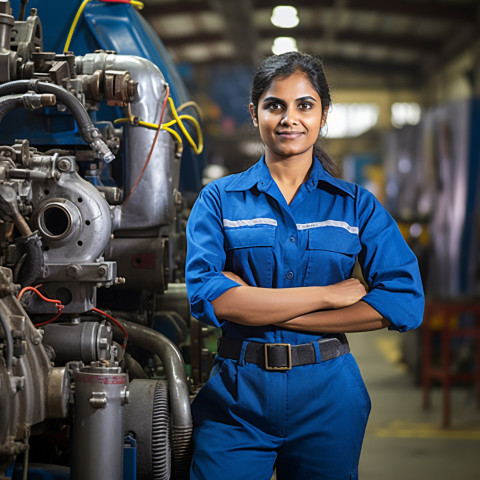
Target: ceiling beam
[(186, 40), (175, 7), (370, 66), (427, 9), (393, 41), (338, 62), (364, 38)]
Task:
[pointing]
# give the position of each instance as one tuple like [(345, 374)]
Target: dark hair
[(285, 65)]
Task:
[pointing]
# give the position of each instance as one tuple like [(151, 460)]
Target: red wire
[(60, 307), (58, 303), (52, 319), (167, 94), (117, 323), (43, 297)]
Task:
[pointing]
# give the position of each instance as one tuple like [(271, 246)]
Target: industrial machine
[(93, 313)]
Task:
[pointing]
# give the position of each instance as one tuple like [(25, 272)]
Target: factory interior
[(115, 114)]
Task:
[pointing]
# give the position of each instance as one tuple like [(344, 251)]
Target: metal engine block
[(69, 387)]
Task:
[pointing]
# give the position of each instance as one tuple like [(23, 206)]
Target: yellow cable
[(164, 126), (193, 104), (174, 133), (148, 124), (74, 24), (191, 119), (170, 123), (177, 120), (198, 150), (134, 3)]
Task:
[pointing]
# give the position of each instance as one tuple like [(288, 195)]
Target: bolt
[(37, 339), (74, 271), (177, 197), (98, 400), (102, 270), (125, 395), (64, 165)]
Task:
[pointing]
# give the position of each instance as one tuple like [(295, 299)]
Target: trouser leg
[(231, 439), (327, 410)]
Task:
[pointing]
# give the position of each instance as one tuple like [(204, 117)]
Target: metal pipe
[(178, 390), (173, 365), (133, 368)]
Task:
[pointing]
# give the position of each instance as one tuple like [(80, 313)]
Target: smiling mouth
[(290, 134)]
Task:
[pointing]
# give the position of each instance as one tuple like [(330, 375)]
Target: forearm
[(265, 306), (359, 317)]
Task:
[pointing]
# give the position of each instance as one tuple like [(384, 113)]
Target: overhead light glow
[(351, 119), (285, 16), (404, 113), (284, 45)]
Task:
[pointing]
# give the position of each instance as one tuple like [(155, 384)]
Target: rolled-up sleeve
[(206, 256), (389, 266)]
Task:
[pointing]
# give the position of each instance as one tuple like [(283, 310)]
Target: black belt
[(283, 356)]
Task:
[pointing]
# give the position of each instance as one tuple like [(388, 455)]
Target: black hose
[(133, 368), (9, 340), (9, 103), (33, 265), (68, 99), (87, 130)]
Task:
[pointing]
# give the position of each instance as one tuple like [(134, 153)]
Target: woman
[(270, 256)]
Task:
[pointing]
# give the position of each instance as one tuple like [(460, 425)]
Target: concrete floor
[(403, 442)]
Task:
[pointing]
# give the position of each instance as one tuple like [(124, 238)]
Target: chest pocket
[(249, 252), (333, 239), (331, 255)]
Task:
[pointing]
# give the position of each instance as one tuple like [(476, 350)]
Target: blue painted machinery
[(97, 144)]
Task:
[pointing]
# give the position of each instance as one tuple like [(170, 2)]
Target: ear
[(324, 117), (251, 108)]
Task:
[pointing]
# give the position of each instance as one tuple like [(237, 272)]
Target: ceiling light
[(284, 45), (285, 16)]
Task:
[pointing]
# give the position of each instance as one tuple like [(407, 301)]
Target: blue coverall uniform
[(309, 421)]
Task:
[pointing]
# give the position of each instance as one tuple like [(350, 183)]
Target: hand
[(235, 278), (344, 294)]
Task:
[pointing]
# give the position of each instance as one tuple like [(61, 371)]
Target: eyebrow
[(279, 100)]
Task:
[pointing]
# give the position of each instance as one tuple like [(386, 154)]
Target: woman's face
[(289, 116)]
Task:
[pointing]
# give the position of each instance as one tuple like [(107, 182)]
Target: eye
[(274, 106), (305, 105)]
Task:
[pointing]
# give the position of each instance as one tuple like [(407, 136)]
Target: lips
[(289, 134)]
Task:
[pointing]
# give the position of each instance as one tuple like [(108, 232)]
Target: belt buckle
[(289, 357)]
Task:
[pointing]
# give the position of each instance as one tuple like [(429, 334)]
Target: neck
[(289, 172)]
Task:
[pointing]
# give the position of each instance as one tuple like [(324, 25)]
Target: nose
[(289, 117)]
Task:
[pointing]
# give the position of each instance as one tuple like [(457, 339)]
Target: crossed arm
[(332, 309)]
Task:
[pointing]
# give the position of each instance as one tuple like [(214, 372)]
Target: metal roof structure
[(362, 42)]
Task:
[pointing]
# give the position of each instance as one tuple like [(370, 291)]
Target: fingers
[(346, 293)]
